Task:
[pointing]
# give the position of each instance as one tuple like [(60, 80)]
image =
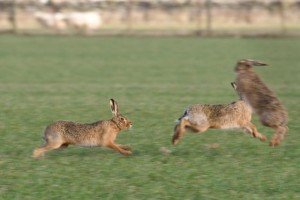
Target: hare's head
[(245, 64), (121, 121)]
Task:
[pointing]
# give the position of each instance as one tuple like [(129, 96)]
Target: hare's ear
[(114, 107), (256, 63), (233, 84), (251, 62)]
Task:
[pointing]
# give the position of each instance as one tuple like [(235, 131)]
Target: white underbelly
[(89, 144), (230, 126)]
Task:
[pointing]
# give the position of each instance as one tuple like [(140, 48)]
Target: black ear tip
[(112, 100)]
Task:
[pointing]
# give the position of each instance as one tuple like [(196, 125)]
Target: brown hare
[(200, 117), (60, 134), (263, 101)]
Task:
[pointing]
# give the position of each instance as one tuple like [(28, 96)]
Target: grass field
[(153, 79)]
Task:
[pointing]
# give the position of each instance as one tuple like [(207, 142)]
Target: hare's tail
[(184, 115)]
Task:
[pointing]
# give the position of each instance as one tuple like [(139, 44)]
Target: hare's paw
[(127, 153), (276, 139), (125, 147), (37, 153), (274, 143), (175, 139), (262, 138)]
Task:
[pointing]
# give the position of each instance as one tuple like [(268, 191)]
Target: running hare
[(263, 101), (200, 117), (60, 134)]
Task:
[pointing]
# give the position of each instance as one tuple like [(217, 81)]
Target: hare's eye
[(122, 118)]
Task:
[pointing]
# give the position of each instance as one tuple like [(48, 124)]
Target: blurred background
[(153, 17), (50, 71)]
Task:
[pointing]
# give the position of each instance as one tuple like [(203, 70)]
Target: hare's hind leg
[(251, 128), (53, 141), (179, 130), (182, 125), (39, 151), (278, 136)]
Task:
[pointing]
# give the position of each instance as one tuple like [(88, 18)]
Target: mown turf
[(153, 79)]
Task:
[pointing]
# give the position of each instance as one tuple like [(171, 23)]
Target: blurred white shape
[(51, 20), (84, 20)]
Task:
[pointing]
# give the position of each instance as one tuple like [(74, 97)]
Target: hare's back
[(70, 132), (71, 128)]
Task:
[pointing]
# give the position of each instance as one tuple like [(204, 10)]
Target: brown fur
[(60, 134), (200, 117), (263, 101)]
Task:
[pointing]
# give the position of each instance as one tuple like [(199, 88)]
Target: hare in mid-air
[(60, 134), (201, 117), (263, 101)]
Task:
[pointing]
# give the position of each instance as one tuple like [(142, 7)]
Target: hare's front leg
[(280, 131), (251, 128), (118, 148), (125, 147)]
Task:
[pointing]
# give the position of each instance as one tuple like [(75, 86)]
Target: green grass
[(153, 79)]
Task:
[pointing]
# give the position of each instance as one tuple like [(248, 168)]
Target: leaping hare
[(60, 134), (264, 102), (200, 117)]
